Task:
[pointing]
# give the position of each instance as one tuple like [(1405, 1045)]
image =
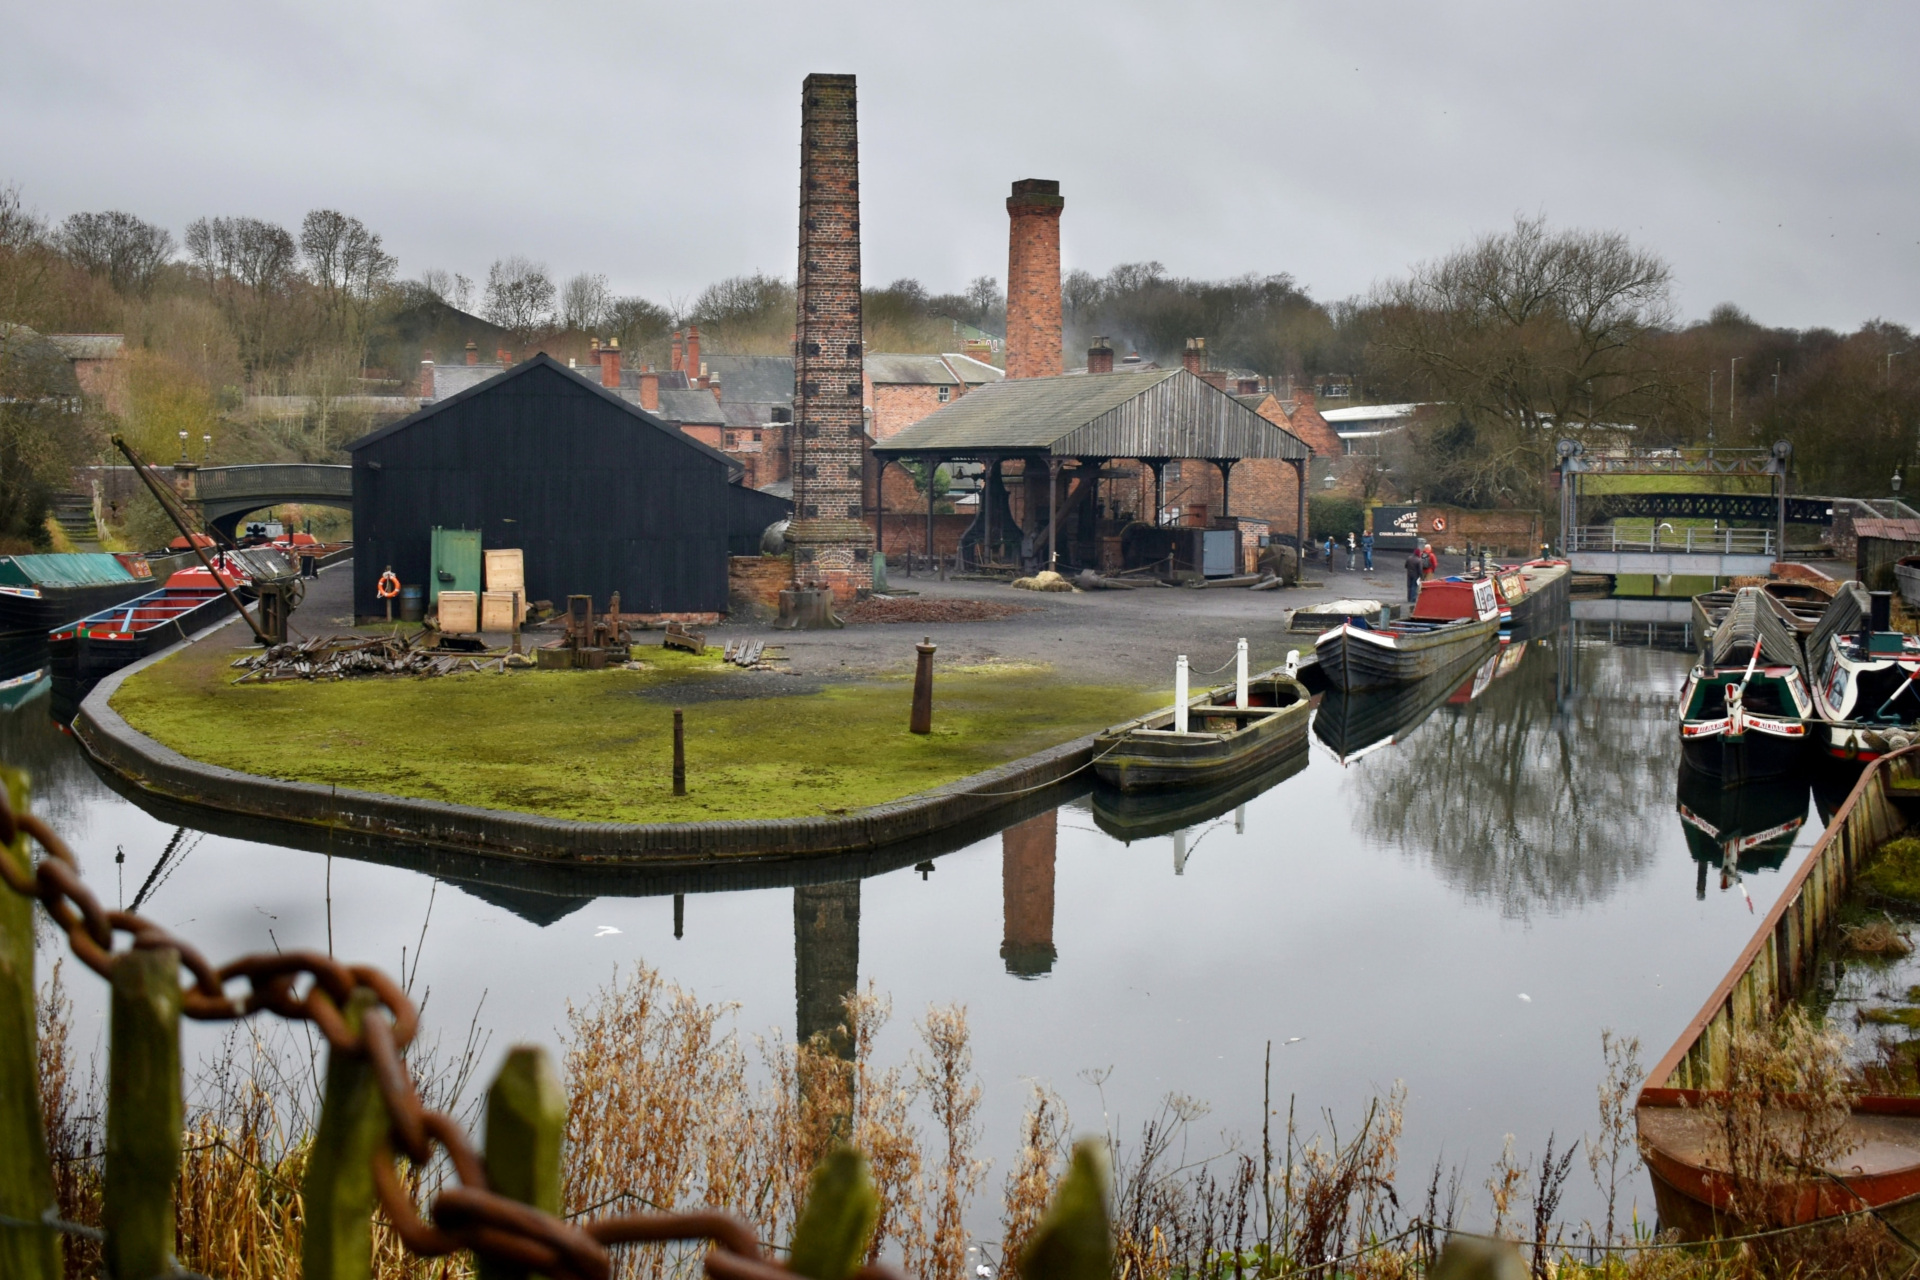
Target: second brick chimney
[(1100, 356), (1194, 358), (650, 391), (610, 364), (426, 375), (694, 368), (473, 353), (1033, 279)]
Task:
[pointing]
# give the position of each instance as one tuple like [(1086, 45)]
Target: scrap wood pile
[(338, 657), (880, 609)]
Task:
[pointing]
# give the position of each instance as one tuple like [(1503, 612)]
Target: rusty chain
[(465, 1216)]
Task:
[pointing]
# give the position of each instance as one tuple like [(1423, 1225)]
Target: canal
[(1461, 902)]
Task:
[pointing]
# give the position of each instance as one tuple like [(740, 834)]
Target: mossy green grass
[(597, 746), (1895, 871)]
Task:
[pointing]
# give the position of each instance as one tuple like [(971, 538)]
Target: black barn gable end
[(599, 495)]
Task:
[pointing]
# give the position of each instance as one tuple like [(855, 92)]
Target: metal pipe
[(1053, 512), (1240, 675), (679, 754)]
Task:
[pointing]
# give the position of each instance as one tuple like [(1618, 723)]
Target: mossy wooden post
[(836, 1224), (26, 1178), (337, 1193), (526, 1122), (144, 1114)]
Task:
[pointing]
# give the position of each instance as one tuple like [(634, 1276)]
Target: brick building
[(97, 366)]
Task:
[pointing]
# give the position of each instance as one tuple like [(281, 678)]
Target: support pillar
[(1300, 467), (1225, 466), (930, 466), (1053, 512)]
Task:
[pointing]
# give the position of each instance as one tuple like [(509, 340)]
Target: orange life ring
[(389, 586), (1439, 524)]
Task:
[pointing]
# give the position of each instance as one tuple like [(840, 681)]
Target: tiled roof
[(889, 369), (696, 406), (974, 372), (1892, 530), (760, 379)]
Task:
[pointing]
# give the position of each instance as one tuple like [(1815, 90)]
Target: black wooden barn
[(599, 495)]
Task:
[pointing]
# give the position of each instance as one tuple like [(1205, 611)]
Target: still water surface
[(1462, 909)]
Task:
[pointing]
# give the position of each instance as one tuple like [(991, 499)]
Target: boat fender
[(1293, 662), (1898, 741)]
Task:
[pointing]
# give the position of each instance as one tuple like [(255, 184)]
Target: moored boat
[(41, 592), (1142, 815), (1529, 593), (103, 642), (1453, 617), (1221, 743), (1745, 709), (1865, 677), (1353, 725), (1735, 829)]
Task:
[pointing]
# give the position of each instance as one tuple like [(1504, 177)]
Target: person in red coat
[(1432, 560)]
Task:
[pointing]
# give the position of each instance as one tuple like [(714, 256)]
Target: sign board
[(1396, 528)]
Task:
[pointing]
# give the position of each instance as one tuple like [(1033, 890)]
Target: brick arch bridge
[(226, 494)]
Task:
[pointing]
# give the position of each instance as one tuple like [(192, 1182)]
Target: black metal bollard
[(679, 754), (923, 688)]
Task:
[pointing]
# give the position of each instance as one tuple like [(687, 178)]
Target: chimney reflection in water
[(826, 959), (1026, 887)]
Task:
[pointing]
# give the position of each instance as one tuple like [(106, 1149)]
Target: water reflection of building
[(1026, 891), (826, 959)]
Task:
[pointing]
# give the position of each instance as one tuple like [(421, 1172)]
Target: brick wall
[(1305, 422), (906, 533), (754, 584), (897, 406), (1033, 279), (832, 544)]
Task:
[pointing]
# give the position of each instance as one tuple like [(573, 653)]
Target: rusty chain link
[(465, 1216)]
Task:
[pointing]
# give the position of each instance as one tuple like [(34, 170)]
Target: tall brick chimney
[(1033, 279), (650, 391), (677, 364), (426, 375), (1100, 356), (831, 541), (473, 353), (694, 368), (610, 365), (1194, 358)]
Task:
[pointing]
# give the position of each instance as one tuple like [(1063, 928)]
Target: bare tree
[(637, 323), (449, 288), (24, 257), (584, 303), (250, 267), (126, 251), (520, 297), (350, 267), (1524, 335)]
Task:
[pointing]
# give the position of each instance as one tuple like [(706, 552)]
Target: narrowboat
[(1453, 617), (83, 652), (1865, 677), (1735, 829), (1745, 708), (1222, 742), (41, 592), (1142, 815), (1529, 593)]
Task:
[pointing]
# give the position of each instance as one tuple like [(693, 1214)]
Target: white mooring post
[(1180, 695), (1240, 675)]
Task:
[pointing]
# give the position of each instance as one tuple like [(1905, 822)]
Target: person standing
[(1366, 551), (1416, 565), (1428, 558), (1329, 550)]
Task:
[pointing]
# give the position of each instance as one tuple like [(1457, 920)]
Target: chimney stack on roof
[(504, 356), (1100, 356), (426, 376), (1194, 358), (473, 353), (650, 391), (610, 365), (713, 384), (980, 349), (1033, 279), (694, 367), (678, 361)]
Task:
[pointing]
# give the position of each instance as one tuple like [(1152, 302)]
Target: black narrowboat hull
[(1352, 659), (50, 607), (80, 659), (1749, 757), (1351, 724), (1538, 612)]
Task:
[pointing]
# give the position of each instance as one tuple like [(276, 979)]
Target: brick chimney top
[(713, 384), (693, 352), (650, 391), (1194, 358), (426, 377), (473, 353), (678, 360), (1033, 279), (609, 364), (1100, 356)]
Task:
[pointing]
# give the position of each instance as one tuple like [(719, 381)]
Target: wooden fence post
[(26, 1178), (526, 1121), (337, 1194), (144, 1114)]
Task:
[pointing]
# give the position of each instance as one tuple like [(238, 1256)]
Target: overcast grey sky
[(1769, 151)]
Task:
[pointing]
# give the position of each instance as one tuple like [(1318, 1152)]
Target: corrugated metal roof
[(1369, 413), (974, 372), (1892, 530), (56, 569), (761, 379), (1166, 413)]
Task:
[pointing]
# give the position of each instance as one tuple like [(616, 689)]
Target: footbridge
[(225, 494), (1722, 553)]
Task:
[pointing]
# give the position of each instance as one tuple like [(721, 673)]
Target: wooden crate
[(507, 571), (459, 612), (497, 610)]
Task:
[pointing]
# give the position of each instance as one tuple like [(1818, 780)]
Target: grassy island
[(597, 746)]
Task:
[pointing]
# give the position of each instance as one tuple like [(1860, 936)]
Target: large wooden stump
[(807, 609)]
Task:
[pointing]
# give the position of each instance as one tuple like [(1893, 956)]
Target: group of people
[(1421, 562)]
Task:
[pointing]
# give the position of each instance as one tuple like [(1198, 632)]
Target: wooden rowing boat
[(1223, 742), (1142, 815)]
